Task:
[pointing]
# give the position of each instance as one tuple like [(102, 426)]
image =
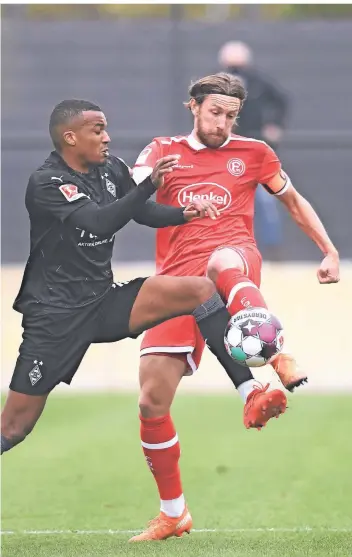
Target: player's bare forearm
[(307, 219)]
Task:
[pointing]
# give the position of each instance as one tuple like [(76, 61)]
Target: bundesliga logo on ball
[(253, 337)]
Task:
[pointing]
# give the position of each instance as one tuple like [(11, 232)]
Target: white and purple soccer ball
[(253, 337)]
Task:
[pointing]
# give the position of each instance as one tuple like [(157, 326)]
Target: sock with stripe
[(162, 452), (238, 291)]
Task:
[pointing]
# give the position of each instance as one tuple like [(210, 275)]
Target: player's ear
[(194, 107), (70, 138)]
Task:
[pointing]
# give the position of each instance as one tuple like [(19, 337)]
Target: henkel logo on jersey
[(209, 191)]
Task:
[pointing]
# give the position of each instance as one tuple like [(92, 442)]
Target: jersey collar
[(197, 146)]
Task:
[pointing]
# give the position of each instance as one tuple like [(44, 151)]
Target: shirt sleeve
[(156, 215), (109, 219), (149, 214), (55, 195), (270, 166), (66, 201), (146, 161)]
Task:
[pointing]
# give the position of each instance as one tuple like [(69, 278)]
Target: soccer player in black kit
[(77, 200)]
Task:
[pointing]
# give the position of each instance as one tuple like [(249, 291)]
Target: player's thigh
[(112, 322), (180, 336), (163, 297), (52, 349)]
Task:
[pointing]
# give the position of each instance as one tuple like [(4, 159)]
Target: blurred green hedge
[(184, 11)]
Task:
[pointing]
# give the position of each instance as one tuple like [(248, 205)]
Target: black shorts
[(55, 340)]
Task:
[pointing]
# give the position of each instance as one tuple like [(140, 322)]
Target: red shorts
[(181, 335)]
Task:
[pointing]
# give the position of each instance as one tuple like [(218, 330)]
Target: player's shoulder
[(169, 140), (116, 165), (164, 144), (251, 142), (160, 146), (256, 146), (113, 161), (171, 145), (53, 170)]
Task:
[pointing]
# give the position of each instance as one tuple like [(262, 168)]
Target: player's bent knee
[(194, 290), (151, 405), (159, 376), (203, 289), (154, 400), (221, 260)]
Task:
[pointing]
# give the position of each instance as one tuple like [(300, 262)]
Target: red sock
[(162, 453), (238, 291)]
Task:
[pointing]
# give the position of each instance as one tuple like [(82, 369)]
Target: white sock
[(173, 507), (286, 349), (247, 387)]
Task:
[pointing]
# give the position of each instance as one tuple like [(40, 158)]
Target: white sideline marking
[(195, 531)]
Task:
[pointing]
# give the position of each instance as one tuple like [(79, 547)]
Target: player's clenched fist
[(163, 166), (329, 270)]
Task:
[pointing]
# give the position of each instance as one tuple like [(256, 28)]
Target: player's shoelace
[(252, 396)]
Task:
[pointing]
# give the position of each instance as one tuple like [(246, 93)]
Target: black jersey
[(69, 266)]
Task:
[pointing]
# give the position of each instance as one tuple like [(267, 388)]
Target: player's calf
[(18, 418), (12, 436), (159, 377)]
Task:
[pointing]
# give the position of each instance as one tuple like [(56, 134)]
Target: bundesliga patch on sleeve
[(70, 192), (144, 155)]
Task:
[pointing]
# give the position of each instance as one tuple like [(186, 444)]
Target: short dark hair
[(221, 83), (63, 113)]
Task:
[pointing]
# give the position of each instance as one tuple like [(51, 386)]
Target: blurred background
[(136, 62), (82, 468)]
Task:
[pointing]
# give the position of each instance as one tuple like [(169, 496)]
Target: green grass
[(83, 469)]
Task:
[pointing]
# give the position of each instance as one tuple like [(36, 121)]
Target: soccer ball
[(253, 337)]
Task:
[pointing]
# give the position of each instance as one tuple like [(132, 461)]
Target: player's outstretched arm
[(157, 215), (103, 221), (307, 219)]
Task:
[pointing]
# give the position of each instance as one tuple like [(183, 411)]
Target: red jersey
[(227, 176)]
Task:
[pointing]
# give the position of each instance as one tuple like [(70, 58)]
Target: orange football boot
[(262, 405), (286, 368), (163, 527)]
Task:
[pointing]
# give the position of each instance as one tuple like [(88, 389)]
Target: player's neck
[(194, 135), (75, 164)]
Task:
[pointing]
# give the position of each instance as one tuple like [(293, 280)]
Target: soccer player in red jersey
[(226, 169)]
